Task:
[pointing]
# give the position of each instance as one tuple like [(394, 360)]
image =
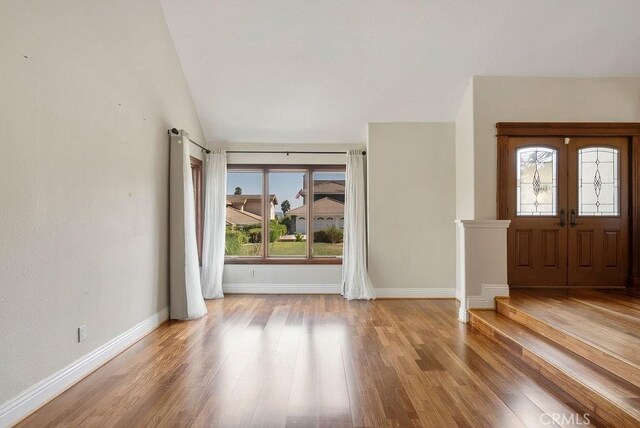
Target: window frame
[(196, 177), (265, 169)]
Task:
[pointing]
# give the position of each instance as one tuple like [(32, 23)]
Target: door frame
[(629, 130)]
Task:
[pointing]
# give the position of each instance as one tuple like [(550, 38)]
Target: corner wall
[(465, 197), (89, 90), (411, 186)]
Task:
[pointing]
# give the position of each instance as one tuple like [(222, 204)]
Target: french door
[(568, 202)]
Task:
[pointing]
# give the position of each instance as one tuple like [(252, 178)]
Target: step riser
[(597, 356), (596, 404)]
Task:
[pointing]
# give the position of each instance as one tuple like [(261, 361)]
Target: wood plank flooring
[(305, 361), (584, 341), (601, 326)]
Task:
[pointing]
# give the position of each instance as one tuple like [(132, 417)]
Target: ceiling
[(318, 71)]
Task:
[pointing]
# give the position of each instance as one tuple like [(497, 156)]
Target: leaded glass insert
[(598, 182), (537, 181)]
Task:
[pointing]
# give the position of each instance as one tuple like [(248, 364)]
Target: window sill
[(284, 261)]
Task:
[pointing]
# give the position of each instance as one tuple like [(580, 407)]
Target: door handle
[(563, 218), (573, 219)]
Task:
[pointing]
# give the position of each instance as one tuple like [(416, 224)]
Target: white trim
[(281, 288), (485, 224), (463, 314), (461, 276), (489, 294), (408, 293), (42, 392)]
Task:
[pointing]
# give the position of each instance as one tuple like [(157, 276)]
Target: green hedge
[(331, 235), (234, 240), (254, 234), (276, 230)]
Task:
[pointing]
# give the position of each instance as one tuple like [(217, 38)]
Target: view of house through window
[(301, 223), (244, 214), (328, 213), (285, 238)]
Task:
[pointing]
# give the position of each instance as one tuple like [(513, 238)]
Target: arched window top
[(329, 218), (320, 218), (301, 218)]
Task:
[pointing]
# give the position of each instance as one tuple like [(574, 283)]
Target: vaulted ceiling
[(318, 71)]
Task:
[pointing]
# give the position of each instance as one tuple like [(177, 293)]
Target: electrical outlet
[(252, 273), (82, 333)]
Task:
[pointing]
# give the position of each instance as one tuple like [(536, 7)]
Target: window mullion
[(266, 213), (310, 222)]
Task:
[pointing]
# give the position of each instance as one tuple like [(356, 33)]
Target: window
[(300, 222), (196, 177), (327, 207), (598, 182), (243, 237), (536, 181)]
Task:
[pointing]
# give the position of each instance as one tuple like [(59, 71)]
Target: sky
[(285, 185)]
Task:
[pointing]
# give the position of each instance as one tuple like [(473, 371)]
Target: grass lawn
[(291, 249)]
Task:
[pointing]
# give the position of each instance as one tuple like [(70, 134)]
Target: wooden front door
[(569, 210), (598, 211)]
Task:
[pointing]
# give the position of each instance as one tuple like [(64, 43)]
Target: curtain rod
[(290, 152), (174, 131)]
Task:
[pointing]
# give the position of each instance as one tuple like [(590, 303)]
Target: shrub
[(331, 235), (290, 223), (276, 230), (234, 240), (254, 234), (299, 237)]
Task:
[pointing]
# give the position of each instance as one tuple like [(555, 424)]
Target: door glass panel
[(598, 182), (537, 181)]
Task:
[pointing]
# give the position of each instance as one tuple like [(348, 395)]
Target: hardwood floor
[(601, 326), (314, 361), (585, 341)]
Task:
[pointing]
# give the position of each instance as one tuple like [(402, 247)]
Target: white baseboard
[(416, 293), (42, 392), (463, 315), (487, 299), (281, 288)]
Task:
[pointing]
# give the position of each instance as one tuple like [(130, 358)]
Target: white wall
[(87, 93), (282, 278), (464, 157), (536, 99), (411, 188)]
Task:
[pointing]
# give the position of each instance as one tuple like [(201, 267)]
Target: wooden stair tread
[(609, 308), (615, 334), (596, 380), (627, 297)]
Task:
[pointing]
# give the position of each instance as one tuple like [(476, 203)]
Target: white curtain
[(184, 274), (215, 202), (355, 279)]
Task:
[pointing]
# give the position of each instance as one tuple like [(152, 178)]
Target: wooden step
[(594, 331), (610, 398)]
